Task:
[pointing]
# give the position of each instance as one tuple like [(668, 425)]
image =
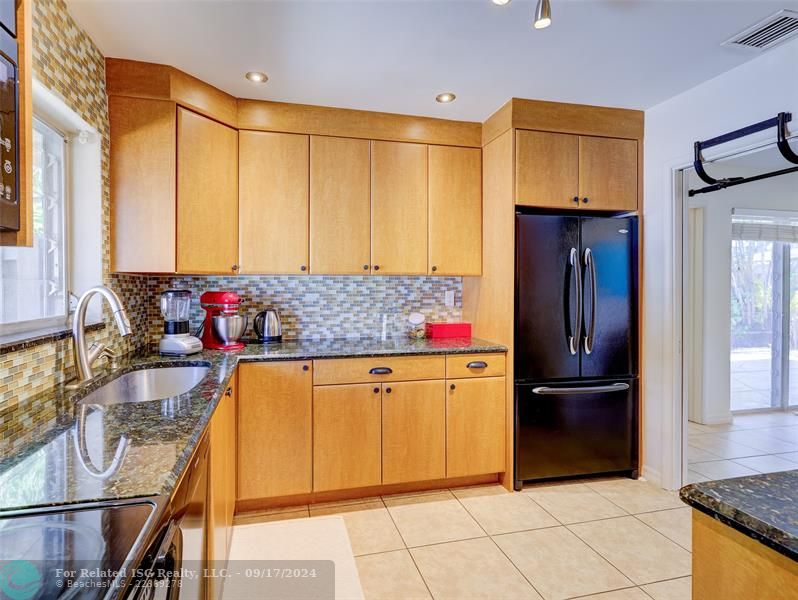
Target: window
[(34, 289), (764, 311)]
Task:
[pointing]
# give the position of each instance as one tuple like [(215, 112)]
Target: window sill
[(13, 342)]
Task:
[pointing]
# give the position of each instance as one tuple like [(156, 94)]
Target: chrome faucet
[(85, 358)]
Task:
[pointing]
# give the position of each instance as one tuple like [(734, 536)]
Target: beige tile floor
[(751, 443), (613, 539)]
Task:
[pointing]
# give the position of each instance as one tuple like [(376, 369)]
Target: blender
[(176, 340)]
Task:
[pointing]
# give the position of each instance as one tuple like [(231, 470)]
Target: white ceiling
[(395, 56)]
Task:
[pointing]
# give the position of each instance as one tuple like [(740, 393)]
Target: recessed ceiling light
[(445, 97), (542, 14), (501, 2), (257, 77)]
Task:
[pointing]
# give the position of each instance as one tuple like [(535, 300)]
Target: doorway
[(740, 322)]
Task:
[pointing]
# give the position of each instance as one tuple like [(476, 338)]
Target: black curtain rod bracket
[(779, 122)]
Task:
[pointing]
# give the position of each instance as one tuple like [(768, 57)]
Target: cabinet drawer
[(471, 365), (367, 370)]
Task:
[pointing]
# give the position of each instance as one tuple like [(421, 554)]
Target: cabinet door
[(207, 195), (608, 173), (413, 431), (546, 169), (231, 467), (339, 206), (143, 138), (274, 429), (346, 436), (455, 211), (398, 208), (475, 426), (273, 202), (221, 484)]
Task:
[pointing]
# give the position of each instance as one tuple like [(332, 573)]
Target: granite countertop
[(764, 507), (53, 451)]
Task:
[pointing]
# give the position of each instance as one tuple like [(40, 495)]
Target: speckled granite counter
[(764, 507), (53, 451)]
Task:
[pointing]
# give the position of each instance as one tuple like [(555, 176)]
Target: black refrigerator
[(576, 337)]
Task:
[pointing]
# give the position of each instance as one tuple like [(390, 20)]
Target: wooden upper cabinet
[(552, 170), (339, 206), (274, 429), (273, 202), (413, 431), (455, 210), (143, 183), (546, 169), (207, 195), (608, 173), (346, 436), (398, 208)]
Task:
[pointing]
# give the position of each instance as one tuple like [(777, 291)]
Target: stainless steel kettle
[(268, 327)]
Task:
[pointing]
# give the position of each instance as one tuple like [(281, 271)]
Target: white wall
[(752, 92), (779, 193)]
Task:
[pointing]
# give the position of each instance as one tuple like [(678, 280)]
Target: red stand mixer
[(223, 327)]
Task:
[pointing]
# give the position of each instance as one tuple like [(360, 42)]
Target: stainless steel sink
[(148, 384)]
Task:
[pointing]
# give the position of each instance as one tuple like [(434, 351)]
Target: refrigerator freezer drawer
[(577, 428)]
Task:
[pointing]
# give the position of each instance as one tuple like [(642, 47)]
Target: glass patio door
[(764, 311)]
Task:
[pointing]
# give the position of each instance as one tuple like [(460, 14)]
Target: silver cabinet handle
[(477, 364), (576, 331), (590, 266), (591, 389)]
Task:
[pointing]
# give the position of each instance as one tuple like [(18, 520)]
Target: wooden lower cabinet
[(475, 426), (346, 436), (413, 431), (274, 429), (221, 484)]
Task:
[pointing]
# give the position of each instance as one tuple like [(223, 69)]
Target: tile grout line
[(500, 549), (407, 549), (663, 535)]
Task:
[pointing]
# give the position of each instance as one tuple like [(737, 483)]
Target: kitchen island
[(745, 537)]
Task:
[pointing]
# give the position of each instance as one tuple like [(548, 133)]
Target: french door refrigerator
[(576, 384)]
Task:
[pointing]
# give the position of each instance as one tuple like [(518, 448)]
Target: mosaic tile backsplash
[(319, 307)]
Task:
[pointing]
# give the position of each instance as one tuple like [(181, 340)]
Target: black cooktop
[(72, 552)]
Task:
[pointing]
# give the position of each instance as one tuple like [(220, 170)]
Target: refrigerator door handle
[(592, 389), (590, 267), (573, 340)]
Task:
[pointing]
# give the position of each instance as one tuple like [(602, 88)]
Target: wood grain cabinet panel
[(273, 202), (475, 365), (221, 483), (413, 431), (546, 169), (207, 195), (274, 429), (608, 173), (475, 425), (340, 212), (398, 208), (378, 369), (346, 436), (143, 184), (455, 210)]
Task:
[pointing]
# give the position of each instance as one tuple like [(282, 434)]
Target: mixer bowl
[(229, 328)]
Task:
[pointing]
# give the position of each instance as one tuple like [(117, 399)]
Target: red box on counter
[(448, 330)]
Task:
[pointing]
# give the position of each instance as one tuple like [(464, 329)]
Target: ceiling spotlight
[(257, 77), (542, 14), (501, 2), (445, 98)]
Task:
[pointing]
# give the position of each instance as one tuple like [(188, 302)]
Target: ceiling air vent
[(775, 29)]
